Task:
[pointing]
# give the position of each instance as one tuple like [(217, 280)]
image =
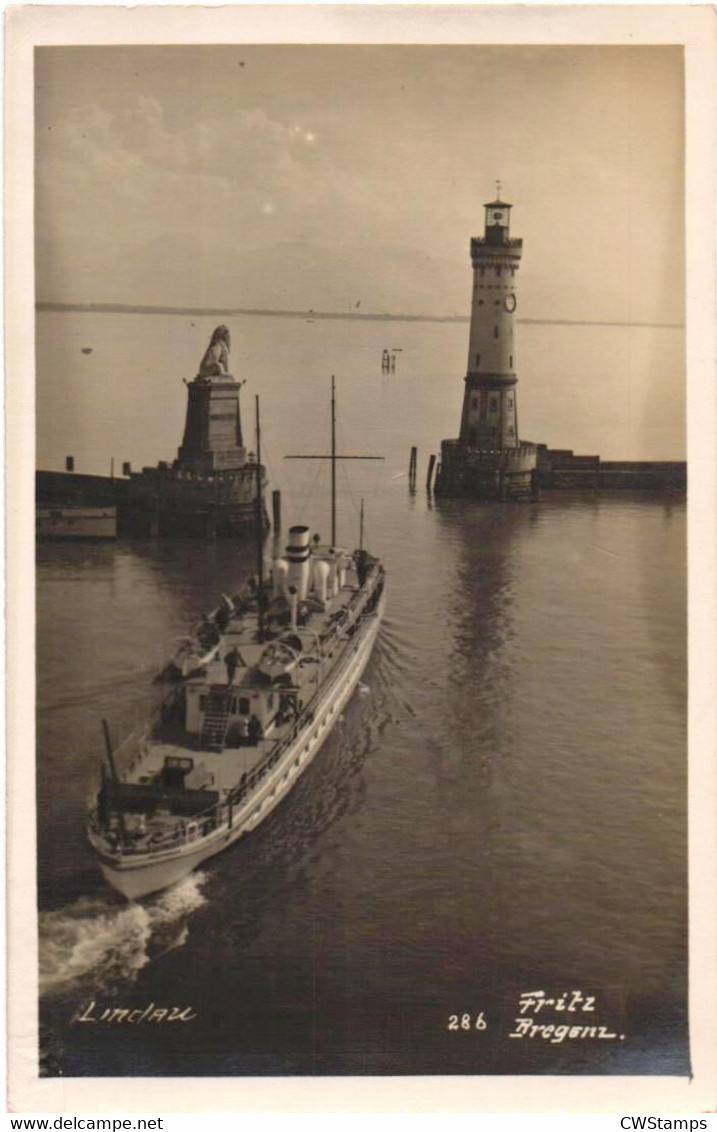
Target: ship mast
[(333, 457), (333, 460), (259, 528)]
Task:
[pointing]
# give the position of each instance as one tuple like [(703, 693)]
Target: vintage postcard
[(361, 651)]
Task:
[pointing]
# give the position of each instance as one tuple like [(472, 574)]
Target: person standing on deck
[(255, 731), (231, 660)]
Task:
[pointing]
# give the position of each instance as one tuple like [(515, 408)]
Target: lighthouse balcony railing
[(458, 451), (506, 242)]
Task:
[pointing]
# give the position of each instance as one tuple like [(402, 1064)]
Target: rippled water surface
[(502, 809)]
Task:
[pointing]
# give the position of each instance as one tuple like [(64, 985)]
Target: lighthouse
[(488, 460)]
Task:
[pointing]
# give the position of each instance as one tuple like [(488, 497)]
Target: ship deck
[(225, 767), (222, 770)]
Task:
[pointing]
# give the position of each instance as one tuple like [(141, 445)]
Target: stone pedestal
[(212, 432)]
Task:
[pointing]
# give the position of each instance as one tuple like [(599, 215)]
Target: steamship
[(257, 692)]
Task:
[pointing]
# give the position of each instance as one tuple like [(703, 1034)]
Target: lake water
[(503, 811)]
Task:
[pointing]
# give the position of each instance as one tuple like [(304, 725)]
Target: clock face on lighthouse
[(510, 302)]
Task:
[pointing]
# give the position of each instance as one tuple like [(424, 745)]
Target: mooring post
[(431, 465), (412, 467), (276, 509)]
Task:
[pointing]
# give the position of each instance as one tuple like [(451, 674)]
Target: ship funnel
[(321, 578), (341, 568), (280, 574), (294, 599), (333, 580), (297, 553)]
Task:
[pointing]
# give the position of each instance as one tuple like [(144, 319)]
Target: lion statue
[(215, 362)]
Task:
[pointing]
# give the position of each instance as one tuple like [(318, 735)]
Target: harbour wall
[(75, 489), (159, 502), (558, 469), (561, 469)]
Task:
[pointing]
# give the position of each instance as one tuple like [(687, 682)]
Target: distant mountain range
[(123, 308), (178, 273)]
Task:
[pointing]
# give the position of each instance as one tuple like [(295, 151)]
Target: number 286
[(467, 1022)]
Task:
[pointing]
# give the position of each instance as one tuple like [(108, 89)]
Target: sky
[(305, 175)]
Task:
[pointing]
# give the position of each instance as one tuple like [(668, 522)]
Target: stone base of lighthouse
[(488, 473)]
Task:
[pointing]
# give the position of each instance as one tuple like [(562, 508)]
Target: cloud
[(367, 149), (111, 181), (93, 162)]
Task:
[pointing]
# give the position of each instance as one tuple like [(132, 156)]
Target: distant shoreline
[(356, 316)]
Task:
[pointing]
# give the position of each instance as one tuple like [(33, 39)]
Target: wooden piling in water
[(412, 467), (431, 466)]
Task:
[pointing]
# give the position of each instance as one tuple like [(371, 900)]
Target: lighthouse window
[(511, 366), (494, 404), (510, 399), (244, 705), (477, 360), (495, 331), (474, 402)]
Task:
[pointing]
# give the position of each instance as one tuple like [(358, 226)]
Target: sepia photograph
[(360, 493)]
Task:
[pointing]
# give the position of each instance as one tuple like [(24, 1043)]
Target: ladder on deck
[(216, 718)]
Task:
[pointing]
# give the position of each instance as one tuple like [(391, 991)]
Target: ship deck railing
[(218, 814)]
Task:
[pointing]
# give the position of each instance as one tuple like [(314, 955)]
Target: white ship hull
[(136, 876)]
